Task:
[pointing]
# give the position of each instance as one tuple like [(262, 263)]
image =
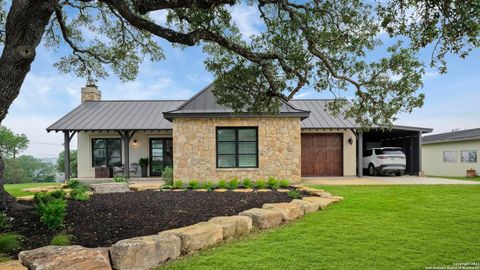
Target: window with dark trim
[(237, 147), (107, 152)]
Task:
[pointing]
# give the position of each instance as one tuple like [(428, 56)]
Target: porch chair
[(133, 169)]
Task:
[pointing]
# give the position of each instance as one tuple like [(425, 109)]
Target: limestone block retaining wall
[(279, 148), (146, 252)]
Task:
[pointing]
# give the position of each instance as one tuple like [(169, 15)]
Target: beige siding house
[(203, 140), (451, 154)]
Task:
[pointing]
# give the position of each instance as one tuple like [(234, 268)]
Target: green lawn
[(16, 189), (375, 227), (457, 177)]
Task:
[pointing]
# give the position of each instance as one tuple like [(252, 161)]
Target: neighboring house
[(452, 153), (207, 141)]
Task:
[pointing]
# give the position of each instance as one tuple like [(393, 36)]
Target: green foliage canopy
[(11, 143)]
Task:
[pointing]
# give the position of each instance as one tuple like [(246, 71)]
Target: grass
[(477, 178), (375, 227), (16, 189)]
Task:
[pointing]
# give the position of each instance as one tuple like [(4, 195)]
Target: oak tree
[(327, 45)]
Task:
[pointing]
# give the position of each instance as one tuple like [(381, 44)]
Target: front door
[(161, 153)]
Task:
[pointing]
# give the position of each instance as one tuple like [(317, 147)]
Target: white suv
[(384, 160)]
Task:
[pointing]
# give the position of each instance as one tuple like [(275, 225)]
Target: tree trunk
[(26, 22)]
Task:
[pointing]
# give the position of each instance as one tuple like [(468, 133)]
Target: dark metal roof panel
[(206, 102), (117, 115), (461, 135), (320, 117)]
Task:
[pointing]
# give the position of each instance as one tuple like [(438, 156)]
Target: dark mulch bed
[(105, 219)]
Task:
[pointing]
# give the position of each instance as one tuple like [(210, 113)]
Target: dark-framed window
[(237, 147), (107, 152)]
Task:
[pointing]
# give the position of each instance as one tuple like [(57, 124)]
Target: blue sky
[(46, 95)]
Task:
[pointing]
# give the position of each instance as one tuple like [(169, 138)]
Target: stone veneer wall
[(194, 148)]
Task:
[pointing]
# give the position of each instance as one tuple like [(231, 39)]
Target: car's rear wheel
[(399, 173), (371, 170)]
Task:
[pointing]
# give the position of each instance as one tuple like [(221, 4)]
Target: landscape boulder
[(12, 265), (289, 211), (233, 226), (41, 189), (65, 257), (198, 236), (144, 252), (263, 218), (144, 187), (307, 206), (324, 202), (109, 188)]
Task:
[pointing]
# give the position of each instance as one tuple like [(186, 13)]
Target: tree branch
[(144, 6), (76, 50)]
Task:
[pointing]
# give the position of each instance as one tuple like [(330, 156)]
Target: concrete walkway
[(384, 180)]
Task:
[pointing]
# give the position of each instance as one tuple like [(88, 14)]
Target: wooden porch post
[(360, 154), (66, 155), (67, 137), (126, 137)]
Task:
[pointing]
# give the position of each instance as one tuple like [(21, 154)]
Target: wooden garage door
[(322, 154)]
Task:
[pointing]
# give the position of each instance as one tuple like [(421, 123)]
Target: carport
[(408, 138)]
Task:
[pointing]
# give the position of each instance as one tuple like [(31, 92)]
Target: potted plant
[(471, 173), (143, 162)]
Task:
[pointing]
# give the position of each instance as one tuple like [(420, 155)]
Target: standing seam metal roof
[(462, 135), (117, 115), (147, 115)]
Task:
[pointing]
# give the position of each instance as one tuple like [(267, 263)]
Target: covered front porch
[(105, 154)]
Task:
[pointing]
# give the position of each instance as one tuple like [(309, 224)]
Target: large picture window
[(468, 156), (237, 147), (106, 152), (450, 156)]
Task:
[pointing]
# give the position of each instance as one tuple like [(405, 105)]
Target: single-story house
[(204, 140), (452, 153)]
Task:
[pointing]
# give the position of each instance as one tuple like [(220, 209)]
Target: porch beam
[(360, 154)]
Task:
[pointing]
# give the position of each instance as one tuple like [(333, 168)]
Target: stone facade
[(279, 148)]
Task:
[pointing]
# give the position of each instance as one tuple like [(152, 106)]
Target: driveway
[(384, 180)]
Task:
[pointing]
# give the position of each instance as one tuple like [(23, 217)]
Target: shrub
[(193, 184), (294, 194), (274, 185), (10, 242), (208, 185), (284, 183), (260, 184), (119, 179), (272, 181), (52, 213), (233, 183), (73, 184), (4, 222), (42, 197), (247, 183), (79, 195), (62, 239), (167, 175), (58, 194), (222, 184), (177, 184)]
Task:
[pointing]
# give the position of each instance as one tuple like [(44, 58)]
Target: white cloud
[(301, 95), (431, 75), (159, 16), (247, 19)]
